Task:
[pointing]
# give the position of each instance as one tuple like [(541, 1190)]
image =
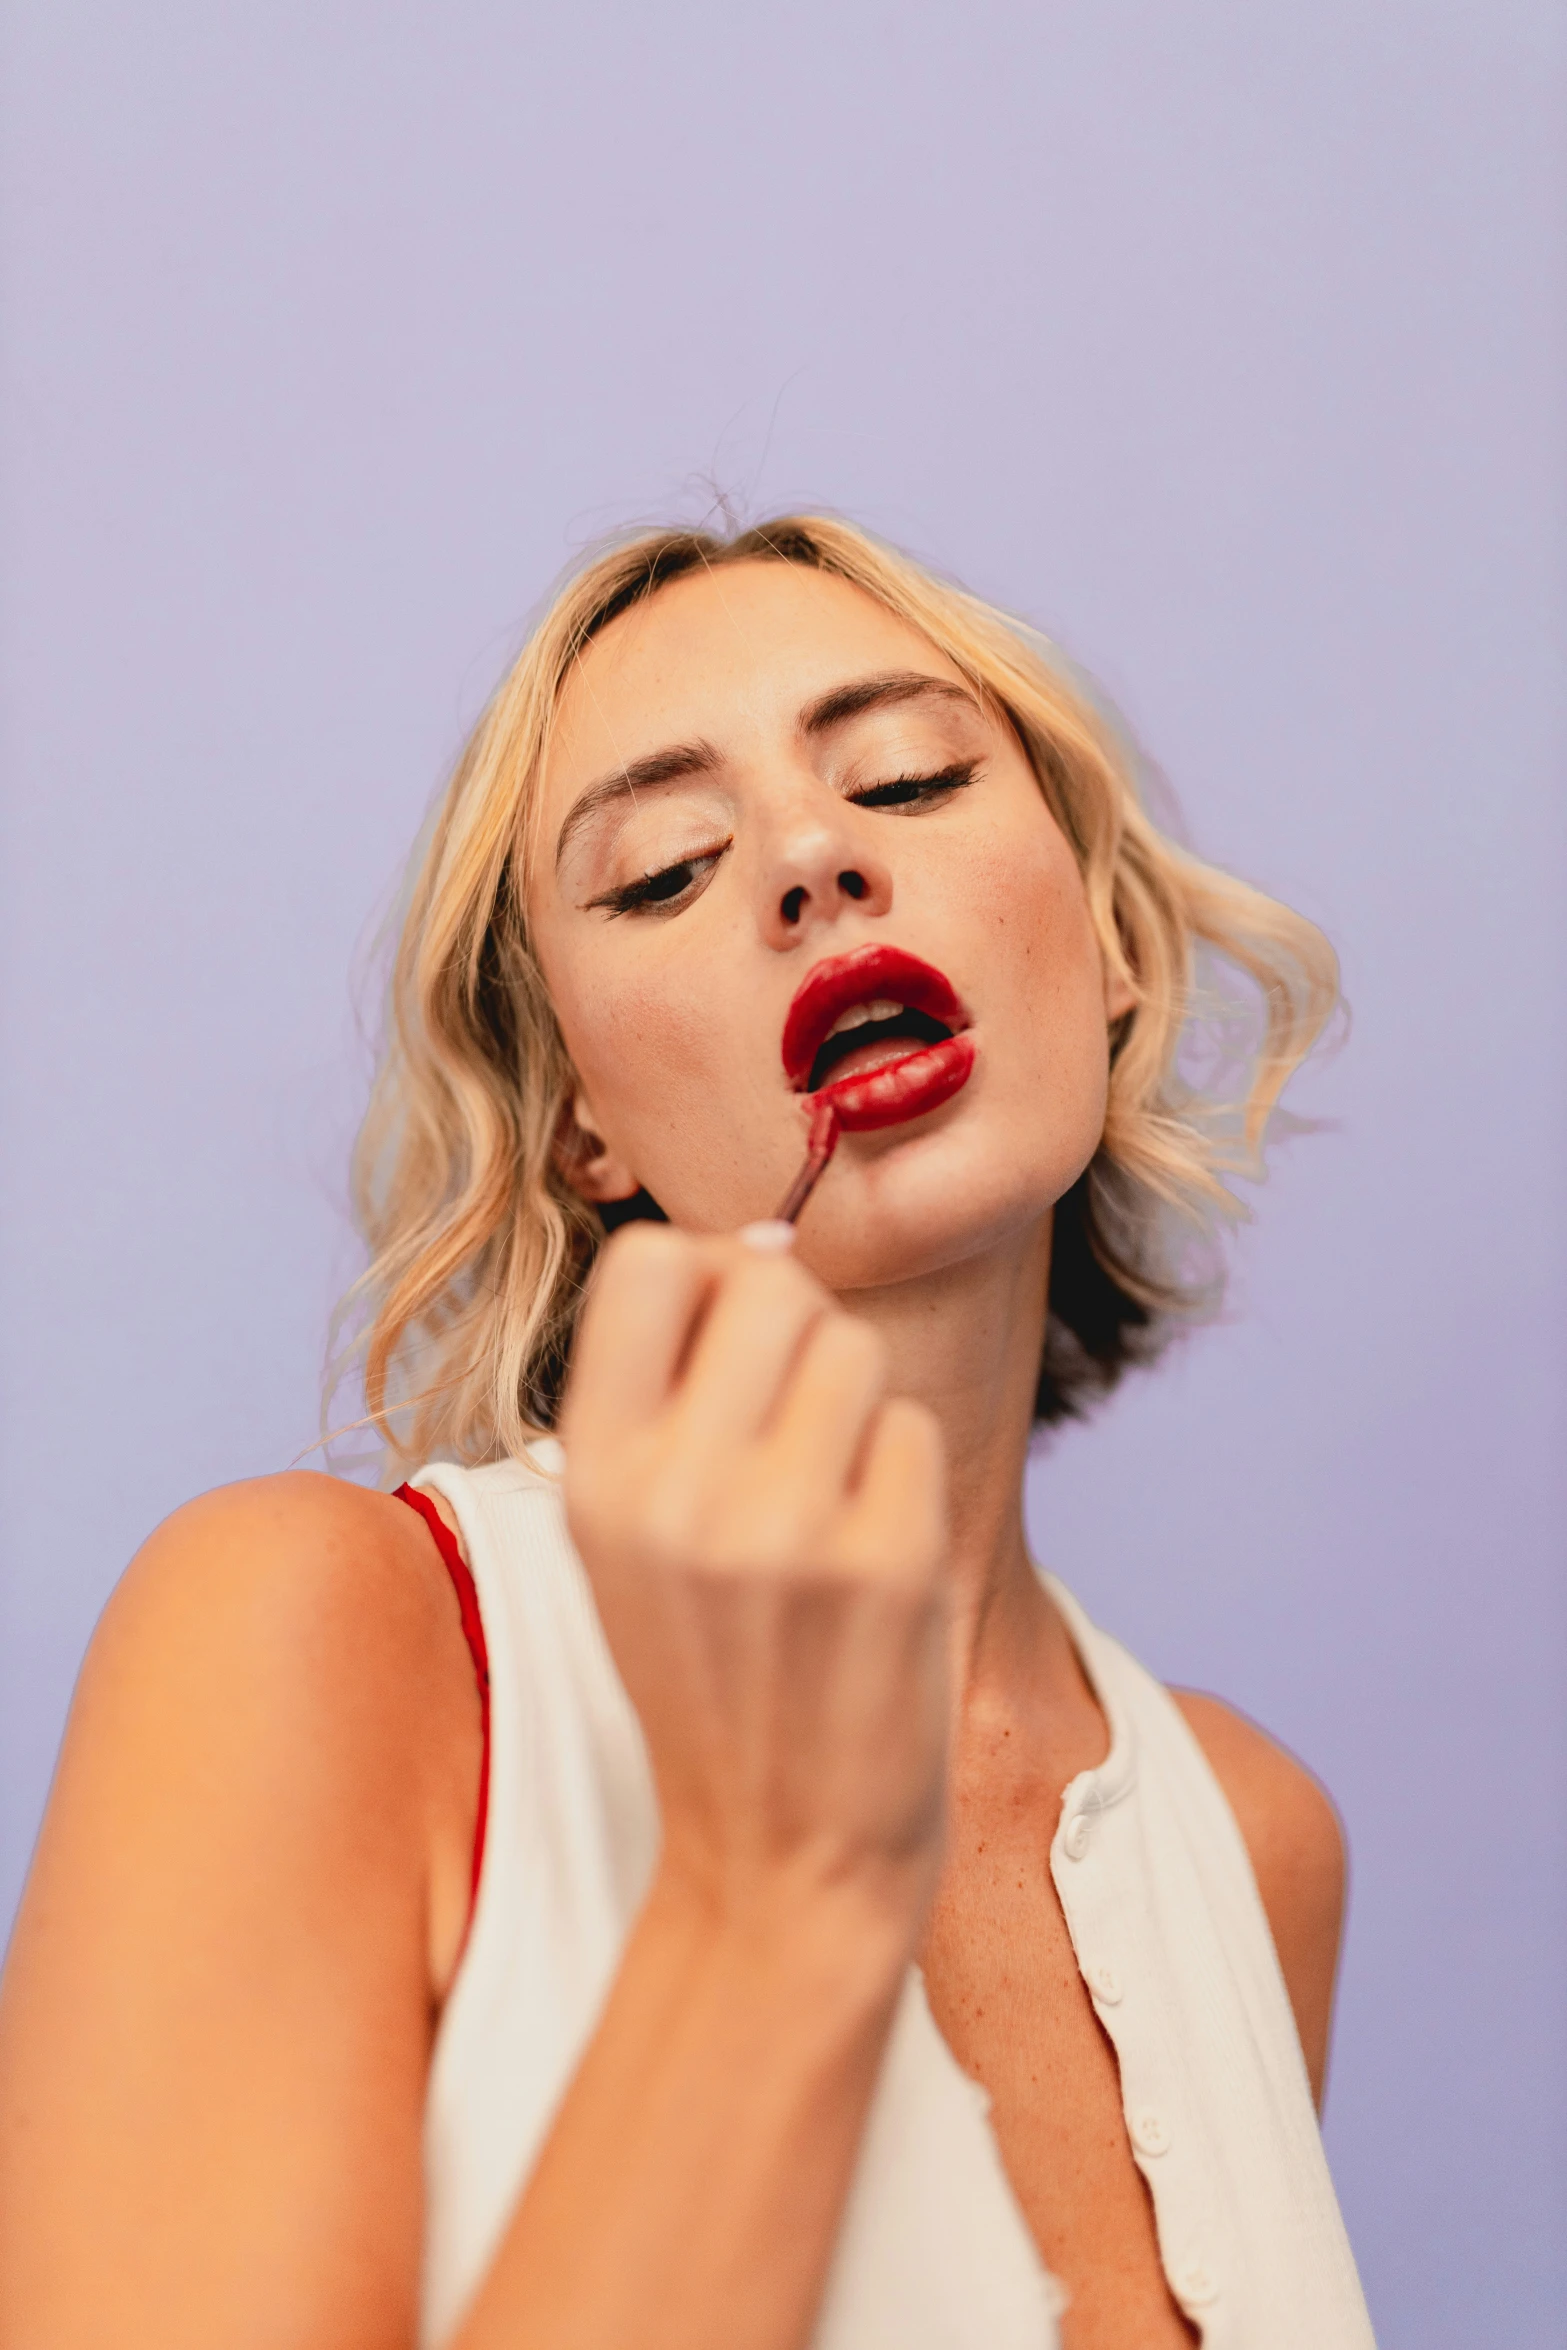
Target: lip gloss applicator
[(818, 1150)]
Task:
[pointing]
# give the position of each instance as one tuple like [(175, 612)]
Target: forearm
[(689, 2193)]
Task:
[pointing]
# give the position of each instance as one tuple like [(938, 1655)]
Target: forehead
[(724, 656)]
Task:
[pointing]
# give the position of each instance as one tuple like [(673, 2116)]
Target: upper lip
[(863, 975)]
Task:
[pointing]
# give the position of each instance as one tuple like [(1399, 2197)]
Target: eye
[(663, 892), (915, 791)]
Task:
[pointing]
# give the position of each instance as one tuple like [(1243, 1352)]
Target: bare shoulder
[(301, 1567), (286, 1652), (1290, 1824), (1295, 1838)]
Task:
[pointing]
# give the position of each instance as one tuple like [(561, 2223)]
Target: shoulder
[(1286, 1816), (1295, 1840), (332, 1597), (288, 1651)]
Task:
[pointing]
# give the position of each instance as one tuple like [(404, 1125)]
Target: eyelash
[(916, 788), (913, 790)]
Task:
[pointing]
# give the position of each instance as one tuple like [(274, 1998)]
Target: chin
[(907, 1214)]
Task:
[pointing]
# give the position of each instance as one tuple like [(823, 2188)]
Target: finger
[(650, 1289), (758, 1318), (896, 1518), (828, 1404)]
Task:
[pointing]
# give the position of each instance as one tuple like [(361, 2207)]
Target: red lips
[(917, 1081)]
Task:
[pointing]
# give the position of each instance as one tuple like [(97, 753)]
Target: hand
[(765, 1533)]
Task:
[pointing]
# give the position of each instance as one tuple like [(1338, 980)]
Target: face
[(756, 774)]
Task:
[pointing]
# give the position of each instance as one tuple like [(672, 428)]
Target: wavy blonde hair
[(478, 1246)]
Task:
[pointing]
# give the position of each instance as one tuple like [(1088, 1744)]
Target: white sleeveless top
[(933, 2252)]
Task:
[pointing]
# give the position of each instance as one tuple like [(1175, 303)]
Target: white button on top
[(1150, 2131), (1075, 1841), (1194, 2285), (1105, 1985)]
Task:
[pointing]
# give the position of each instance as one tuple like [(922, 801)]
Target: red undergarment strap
[(473, 1632)]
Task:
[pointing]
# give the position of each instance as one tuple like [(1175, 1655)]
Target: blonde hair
[(479, 1247)]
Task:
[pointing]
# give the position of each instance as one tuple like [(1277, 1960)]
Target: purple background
[(1228, 343)]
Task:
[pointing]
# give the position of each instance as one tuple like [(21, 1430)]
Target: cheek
[(619, 1027), (644, 1040), (1040, 996), (1029, 903)]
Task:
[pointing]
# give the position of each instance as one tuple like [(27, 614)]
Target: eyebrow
[(879, 693), (680, 760), (646, 774)]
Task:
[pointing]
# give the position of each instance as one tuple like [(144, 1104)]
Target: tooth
[(858, 1014)]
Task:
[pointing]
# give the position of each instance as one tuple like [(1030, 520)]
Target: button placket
[(1150, 2131), (1193, 2285)]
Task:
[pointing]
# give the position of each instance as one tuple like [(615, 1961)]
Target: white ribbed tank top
[(933, 2253)]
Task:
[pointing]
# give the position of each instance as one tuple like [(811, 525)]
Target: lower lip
[(904, 1089)]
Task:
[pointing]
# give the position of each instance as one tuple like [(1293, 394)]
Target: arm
[(251, 1888), (690, 2190), (216, 2016), (746, 2044), (764, 1535), (1296, 1843)]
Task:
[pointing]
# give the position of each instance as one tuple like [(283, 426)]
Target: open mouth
[(869, 1036), (880, 1034)]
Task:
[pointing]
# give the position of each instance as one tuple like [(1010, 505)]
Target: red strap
[(473, 1632)]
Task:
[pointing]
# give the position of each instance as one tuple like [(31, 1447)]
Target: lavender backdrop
[(1225, 341)]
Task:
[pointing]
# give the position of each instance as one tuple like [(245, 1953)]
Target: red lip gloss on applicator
[(818, 1150)]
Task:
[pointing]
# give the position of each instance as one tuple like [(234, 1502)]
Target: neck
[(966, 1342)]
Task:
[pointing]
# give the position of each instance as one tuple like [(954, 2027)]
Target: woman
[(866, 1950)]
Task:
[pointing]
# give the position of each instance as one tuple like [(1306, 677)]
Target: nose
[(818, 861)]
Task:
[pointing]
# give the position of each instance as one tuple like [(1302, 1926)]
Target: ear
[(585, 1160), (1120, 998), (1120, 994)]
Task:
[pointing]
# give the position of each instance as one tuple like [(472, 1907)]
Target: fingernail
[(769, 1238)]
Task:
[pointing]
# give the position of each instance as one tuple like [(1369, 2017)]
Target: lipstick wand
[(823, 1142)]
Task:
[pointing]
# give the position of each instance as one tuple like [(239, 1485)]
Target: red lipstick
[(911, 1081)]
